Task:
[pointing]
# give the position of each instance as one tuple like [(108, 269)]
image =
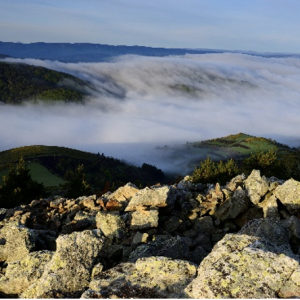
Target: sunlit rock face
[(240, 240)]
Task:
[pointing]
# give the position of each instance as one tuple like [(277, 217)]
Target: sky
[(256, 25)]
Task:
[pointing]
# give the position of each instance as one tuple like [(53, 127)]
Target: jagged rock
[(16, 241), (289, 195), (114, 205), (242, 266), (256, 186), (144, 218), (69, 270), (270, 207), (158, 277), (187, 184), (21, 274), (236, 182), (172, 247), (151, 197), (111, 224), (232, 207), (271, 230), (57, 202), (88, 203), (124, 193)]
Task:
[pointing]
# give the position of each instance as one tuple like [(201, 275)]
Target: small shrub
[(212, 172)]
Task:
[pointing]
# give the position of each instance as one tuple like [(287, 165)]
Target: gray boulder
[(124, 193), (21, 274), (256, 186), (271, 230), (172, 247), (289, 195), (232, 207), (111, 224), (16, 241), (69, 271), (151, 197), (242, 266), (144, 218), (154, 277)]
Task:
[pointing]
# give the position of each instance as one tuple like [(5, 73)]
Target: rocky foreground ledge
[(181, 241)]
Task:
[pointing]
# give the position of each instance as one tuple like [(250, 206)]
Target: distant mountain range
[(85, 52)]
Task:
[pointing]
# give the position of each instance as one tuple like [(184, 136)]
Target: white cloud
[(142, 100)]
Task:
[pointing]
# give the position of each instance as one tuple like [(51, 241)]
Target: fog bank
[(157, 101)]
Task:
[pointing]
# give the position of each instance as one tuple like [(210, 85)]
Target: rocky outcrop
[(151, 277), (242, 266), (22, 273), (149, 243), (68, 272)]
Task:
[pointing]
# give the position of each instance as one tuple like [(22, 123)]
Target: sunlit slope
[(238, 146)]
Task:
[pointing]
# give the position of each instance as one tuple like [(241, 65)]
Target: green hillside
[(22, 82), (237, 146), (54, 166)]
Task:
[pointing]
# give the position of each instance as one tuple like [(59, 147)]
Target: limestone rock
[(69, 271), (242, 266), (151, 197), (143, 219), (256, 186), (16, 241), (289, 195), (21, 274), (110, 224)]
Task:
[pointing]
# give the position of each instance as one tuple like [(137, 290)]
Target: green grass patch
[(42, 175)]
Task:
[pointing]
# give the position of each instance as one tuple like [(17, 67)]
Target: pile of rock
[(241, 240)]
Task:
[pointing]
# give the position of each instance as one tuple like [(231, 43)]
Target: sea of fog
[(138, 103)]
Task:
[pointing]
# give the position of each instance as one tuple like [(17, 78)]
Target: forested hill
[(21, 82), (53, 166)]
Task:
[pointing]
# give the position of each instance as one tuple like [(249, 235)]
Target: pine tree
[(77, 186), (18, 187)]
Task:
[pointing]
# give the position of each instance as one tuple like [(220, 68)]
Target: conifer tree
[(18, 187)]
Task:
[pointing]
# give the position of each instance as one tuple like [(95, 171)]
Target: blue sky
[(258, 25)]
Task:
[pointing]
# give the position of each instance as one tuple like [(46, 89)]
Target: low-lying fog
[(141, 102)]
